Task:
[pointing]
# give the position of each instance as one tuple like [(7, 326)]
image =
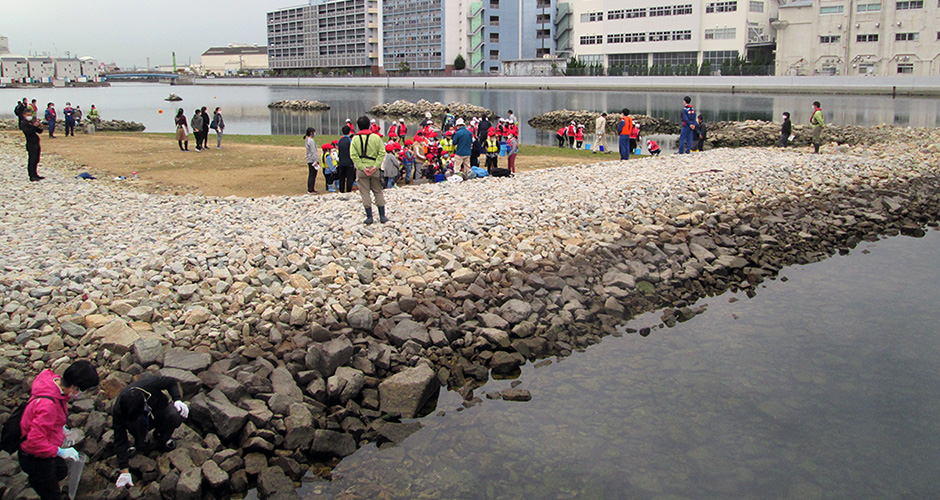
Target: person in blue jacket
[(463, 142), (688, 125)]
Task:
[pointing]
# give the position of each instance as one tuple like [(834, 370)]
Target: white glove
[(182, 408), (67, 453), (124, 479)]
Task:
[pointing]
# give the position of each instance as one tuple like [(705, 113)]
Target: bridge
[(133, 75)]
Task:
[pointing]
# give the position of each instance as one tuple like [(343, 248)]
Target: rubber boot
[(382, 218), (368, 216)]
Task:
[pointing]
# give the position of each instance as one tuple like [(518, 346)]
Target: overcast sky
[(129, 31)]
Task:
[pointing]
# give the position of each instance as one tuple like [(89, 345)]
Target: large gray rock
[(299, 426), (515, 310), (701, 253), (407, 330), (504, 363), (273, 484), (332, 443), (184, 359), (334, 354), (491, 320), (148, 351), (345, 384), (141, 313), (188, 381), (360, 318), (226, 418), (619, 280), (215, 476), (407, 391), (189, 486), (284, 385), (298, 316), (117, 336)]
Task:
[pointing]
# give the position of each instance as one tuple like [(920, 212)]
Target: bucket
[(602, 149), (637, 151), (504, 150), (439, 177), (587, 146)]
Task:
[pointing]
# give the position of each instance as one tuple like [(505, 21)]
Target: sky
[(127, 32)]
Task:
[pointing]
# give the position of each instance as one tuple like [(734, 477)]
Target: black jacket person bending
[(149, 403)]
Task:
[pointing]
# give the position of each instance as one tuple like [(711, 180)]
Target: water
[(246, 112), (823, 386)]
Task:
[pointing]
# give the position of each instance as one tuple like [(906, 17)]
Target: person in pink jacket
[(41, 454)]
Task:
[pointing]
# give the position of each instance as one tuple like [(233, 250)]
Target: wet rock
[(332, 443), (273, 484), (406, 392), (299, 105), (516, 394), (504, 363)]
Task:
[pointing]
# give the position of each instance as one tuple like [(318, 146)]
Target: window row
[(721, 34), (715, 7), (873, 7), (652, 36)]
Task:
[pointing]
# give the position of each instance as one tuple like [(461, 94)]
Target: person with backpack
[(570, 132), (407, 157), (196, 123), (205, 128), (391, 164), (579, 136), (463, 146), (218, 124), (366, 153), (625, 128), (701, 132), (328, 163), (21, 106), (313, 164), (151, 403), (42, 426)]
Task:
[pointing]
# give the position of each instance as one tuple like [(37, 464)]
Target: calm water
[(246, 111), (824, 386)]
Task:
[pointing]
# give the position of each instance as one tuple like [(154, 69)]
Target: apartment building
[(338, 34), (503, 30), (861, 37), (413, 35), (619, 33)]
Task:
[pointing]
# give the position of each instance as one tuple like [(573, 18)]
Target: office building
[(41, 69), (864, 37), (339, 35), (501, 30), (234, 58), (618, 33), (413, 35)]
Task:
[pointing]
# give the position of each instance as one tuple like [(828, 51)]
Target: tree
[(404, 67), (459, 62)]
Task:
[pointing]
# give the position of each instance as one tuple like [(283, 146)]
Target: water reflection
[(820, 387)]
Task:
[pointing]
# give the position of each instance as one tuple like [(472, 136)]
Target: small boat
[(173, 97)]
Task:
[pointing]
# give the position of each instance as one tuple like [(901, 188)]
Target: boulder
[(215, 476), (334, 354), (226, 418), (504, 363), (406, 392), (299, 427), (619, 280), (273, 484), (515, 311), (407, 330), (148, 351), (189, 486), (197, 316), (184, 359), (141, 313), (360, 318), (332, 443), (117, 336), (284, 384), (345, 384)]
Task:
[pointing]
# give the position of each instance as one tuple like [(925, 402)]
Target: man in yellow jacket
[(367, 153)]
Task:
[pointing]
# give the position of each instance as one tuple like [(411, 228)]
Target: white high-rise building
[(678, 33), (861, 37)]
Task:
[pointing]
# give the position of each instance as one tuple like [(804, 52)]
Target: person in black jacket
[(483, 128), (700, 134), (785, 130), (205, 128), (31, 128), (346, 168), (150, 403)]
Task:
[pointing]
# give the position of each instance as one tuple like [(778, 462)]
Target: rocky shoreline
[(553, 120), (299, 334), (104, 126), (300, 105)]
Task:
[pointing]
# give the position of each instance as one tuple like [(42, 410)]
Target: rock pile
[(416, 110), (300, 105), (762, 134), (298, 334), (553, 120)]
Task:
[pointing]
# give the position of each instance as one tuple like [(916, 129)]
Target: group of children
[(571, 136), (431, 153)]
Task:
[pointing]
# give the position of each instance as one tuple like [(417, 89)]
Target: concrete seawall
[(892, 86)]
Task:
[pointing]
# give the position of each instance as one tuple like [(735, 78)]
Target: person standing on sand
[(196, 123), (366, 153), (205, 128), (31, 128), (600, 135), (50, 119), (513, 143), (69, 113), (346, 167), (817, 122), (625, 128), (688, 125), (219, 127), (313, 164), (786, 129), (182, 130), (463, 146)]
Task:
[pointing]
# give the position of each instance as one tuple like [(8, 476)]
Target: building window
[(906, 37), (755, 6), (592, 17), (625, 60), (829, 38), (660, 11), (868, 7), (866, 38), (716, 57), (494, 20), (542, 52), (543, 4), (910, 5), (626, 37), (682, 35), (543, 34), (494, 37), (592, 39), (626, 13), (721, 7), (675, 58), (659, 36), (494, 4), (832, 9), (494, 55), (721, 34), (543, 19), (680, 10), (905, 68)]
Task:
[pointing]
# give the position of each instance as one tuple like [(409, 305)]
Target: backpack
[(501, 172), (213, 125), (11, 436)]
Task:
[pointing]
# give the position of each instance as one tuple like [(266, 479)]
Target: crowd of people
[(27, 114), (201, 124)]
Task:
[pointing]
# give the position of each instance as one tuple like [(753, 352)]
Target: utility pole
[(174, 63)]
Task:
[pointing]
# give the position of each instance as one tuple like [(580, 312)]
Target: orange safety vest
[(627, 126)]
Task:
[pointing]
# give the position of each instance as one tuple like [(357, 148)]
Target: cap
[(427, 114), (402, 120), (459, 122), (449, 133), (336, 142), (409, 142), (491, 133), (372, 120), (326, 146)]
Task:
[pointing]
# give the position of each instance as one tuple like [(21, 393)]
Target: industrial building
[(17, 69), (863, 37), (339, 35), (235, 58)]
